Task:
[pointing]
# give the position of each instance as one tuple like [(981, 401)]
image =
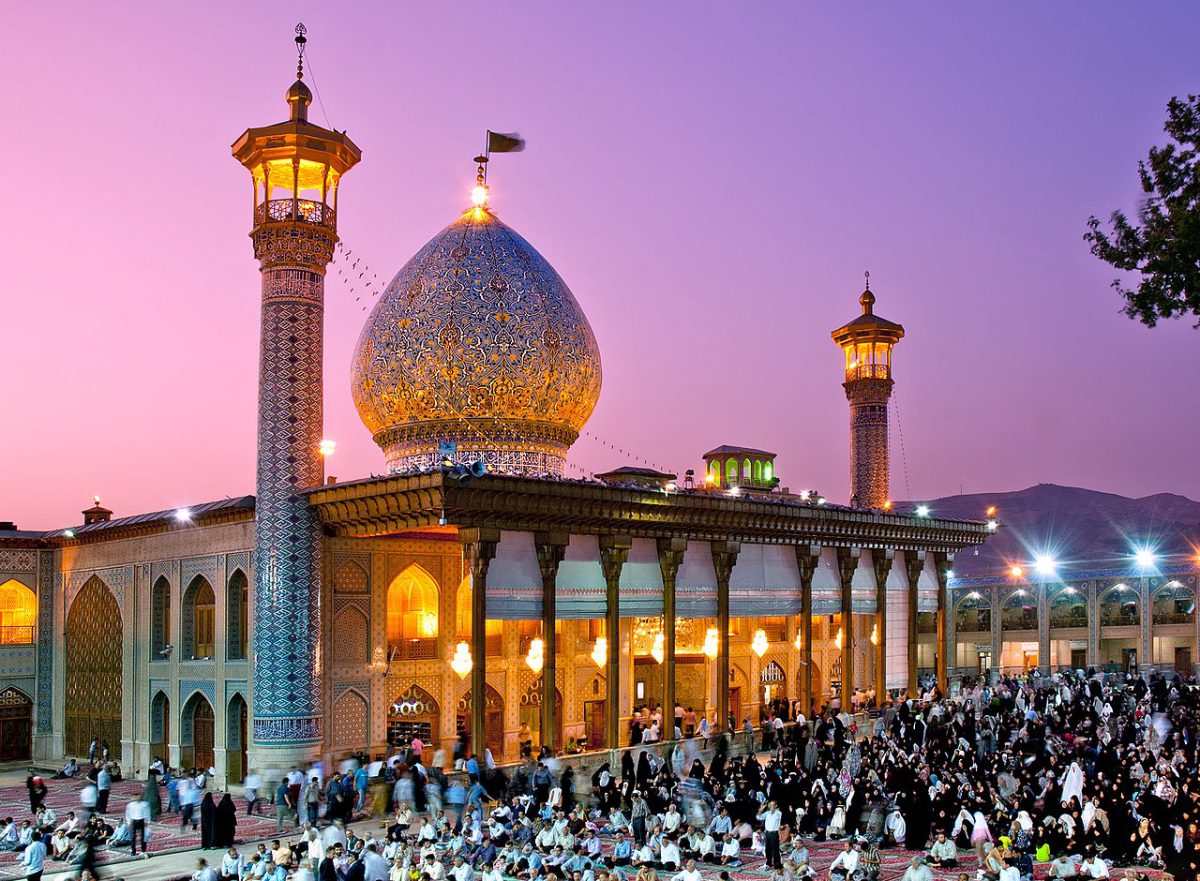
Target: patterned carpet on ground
[(165, 834), (894, 862)]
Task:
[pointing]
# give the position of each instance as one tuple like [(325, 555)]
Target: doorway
[(1078, 659), (1029, 660), (985, 661), (1183, 659), (1129, 660), (593, 724), (16, 725)]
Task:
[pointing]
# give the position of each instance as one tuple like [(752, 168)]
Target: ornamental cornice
[(392, 504)]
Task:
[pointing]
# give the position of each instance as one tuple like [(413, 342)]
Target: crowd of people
[(1067, 776)]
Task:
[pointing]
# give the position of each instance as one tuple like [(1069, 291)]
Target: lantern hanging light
[(536, 657), (461, 663), (600, 651)]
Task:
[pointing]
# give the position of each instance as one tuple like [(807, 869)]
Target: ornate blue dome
[(477, 341)]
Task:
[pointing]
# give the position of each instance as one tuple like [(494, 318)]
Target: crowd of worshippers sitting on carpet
[(1064, 776)]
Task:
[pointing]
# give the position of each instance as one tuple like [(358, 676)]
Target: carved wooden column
[(942, 569), (724, 555), (914, 565), (807, 558), (479, 547), (881, 562), (847, 560), (670, 556), (550, 549), (614, 551)]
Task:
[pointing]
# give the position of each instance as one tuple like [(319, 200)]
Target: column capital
[(808, 557), (614, 551), (551, 548), (914, 565), (670, 557), (479, 547), (847, 560), (881, 562), (725, 554)]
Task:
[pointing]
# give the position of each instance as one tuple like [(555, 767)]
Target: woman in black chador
[(225, 824), (208, 817)]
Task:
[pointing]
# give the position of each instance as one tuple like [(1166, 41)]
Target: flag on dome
[(501, 142)]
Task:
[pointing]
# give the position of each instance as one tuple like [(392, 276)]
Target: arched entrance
[(414, 714), (235, 738), (494, 723), (16, 725), (94, 657), (774, 683), (198, 725), (412, 615), (160, 727), (531, 712)]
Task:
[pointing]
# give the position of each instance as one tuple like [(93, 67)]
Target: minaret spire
[(295, 169), (867, 342)]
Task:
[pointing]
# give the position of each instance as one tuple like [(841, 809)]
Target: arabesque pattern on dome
[(477, 341)]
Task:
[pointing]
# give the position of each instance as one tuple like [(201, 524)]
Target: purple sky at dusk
[(710, 179)]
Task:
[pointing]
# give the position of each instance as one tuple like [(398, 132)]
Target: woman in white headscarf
[(1073, 784)]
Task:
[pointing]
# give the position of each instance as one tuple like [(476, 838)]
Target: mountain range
[(1079, 528)]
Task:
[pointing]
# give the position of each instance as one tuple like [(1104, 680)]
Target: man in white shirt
[(772, 817), (1063, 867), (917, 871), (844, 863), (137, 812), (669, 854), (433, 868), (671, 819), (690, 873), (1093, 867), (731, 851)]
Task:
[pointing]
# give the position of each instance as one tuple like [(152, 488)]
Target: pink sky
[(710, 179)]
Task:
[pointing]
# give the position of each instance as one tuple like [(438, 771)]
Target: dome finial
[(479, 194), (301, 30), (299, 96), (867, 299)]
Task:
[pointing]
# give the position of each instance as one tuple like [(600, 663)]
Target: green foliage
[(1163, 247)]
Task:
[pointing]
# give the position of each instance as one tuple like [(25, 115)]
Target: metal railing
[(413, 650), (1024, 622), (1119, 619), (289, 210), (977, 625), (1073, 619), (1174, 617), (868, 371)]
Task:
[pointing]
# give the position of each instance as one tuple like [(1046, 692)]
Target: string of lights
[(895, 409)]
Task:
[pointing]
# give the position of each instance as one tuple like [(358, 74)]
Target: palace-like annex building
[(475, 588)]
